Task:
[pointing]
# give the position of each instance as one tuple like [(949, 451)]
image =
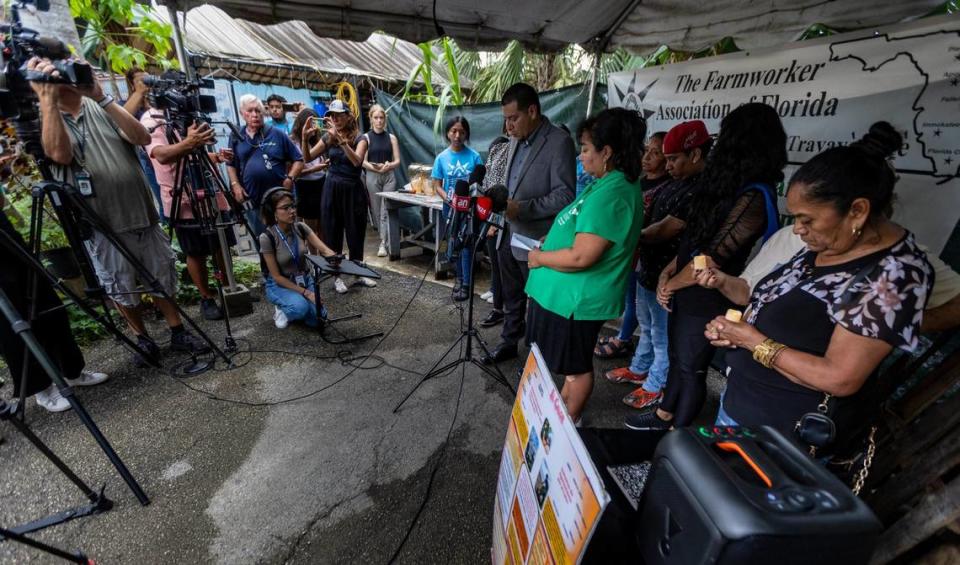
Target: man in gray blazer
[(541, 181)]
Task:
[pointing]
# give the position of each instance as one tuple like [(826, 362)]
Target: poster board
[(549, 494), (828, 92)]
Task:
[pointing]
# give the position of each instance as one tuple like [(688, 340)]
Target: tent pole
[(594, 74), (178, 42)]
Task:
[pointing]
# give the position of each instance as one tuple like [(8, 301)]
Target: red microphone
[(484, 208), (461, 197)]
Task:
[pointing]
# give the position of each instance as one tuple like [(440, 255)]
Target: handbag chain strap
[(864, 471)]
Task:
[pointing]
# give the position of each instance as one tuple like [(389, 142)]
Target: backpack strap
[(773, 214)]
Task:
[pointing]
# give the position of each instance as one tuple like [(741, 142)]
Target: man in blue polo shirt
[(263, 157)]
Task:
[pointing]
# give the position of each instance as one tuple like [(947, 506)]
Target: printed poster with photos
[(549, 494)]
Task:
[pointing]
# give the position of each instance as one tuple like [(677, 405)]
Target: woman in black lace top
[(735, 206), (818, 327)]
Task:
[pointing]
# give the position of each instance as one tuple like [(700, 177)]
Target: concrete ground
[(334, 477)]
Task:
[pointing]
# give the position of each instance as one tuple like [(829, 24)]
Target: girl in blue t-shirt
[(456, 162)]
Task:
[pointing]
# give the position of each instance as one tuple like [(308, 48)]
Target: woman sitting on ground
[(818, 327), (579, 276), (284, 246)]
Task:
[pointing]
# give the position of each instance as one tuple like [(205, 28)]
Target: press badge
[(301, 281), (84, 183)]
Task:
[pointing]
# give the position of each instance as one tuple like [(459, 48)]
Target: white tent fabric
[(540, 24), (691, 25), (290, 53), (553, 24)]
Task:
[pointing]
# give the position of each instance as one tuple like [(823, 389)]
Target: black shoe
[(210, 310), (461, 294), (149, 355), (493, 318), (500, 353), (186, 341), (646, 421)]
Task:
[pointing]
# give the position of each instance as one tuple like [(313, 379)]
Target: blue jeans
[(293, 304), (651, 354), (724, 419), (630, 321)]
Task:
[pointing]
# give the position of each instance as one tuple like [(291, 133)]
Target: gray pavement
[(333, 478)]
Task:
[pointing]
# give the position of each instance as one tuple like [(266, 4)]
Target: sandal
[(611, 348)]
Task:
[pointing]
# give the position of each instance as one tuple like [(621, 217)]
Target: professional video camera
[(180, 99), (17, 99)]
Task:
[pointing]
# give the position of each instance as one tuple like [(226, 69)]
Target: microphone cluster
[(472, 208)]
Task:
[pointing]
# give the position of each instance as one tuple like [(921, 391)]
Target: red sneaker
[(625, 375), (642, 399)]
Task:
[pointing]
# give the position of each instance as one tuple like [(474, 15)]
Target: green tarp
[(413, 123)]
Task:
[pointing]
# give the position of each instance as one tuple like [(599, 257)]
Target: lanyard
[(295, 250), (81, 135)]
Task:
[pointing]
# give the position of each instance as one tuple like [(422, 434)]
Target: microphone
[(460, 204), (476, 179)]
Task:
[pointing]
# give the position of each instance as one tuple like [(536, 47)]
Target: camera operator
[(196, 244), (263, 157), (90, 141)]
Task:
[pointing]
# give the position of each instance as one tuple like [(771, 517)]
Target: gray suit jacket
[(547, 183)]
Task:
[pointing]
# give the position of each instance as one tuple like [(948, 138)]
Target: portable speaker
[(738, 495)]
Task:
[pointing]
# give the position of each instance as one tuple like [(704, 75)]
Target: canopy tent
[(290, 53), (553, 24)]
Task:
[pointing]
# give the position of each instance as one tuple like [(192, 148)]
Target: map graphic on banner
[(549, 494), (828, 92)]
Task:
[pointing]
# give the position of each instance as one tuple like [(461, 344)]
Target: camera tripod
[(467, 333), (79, 221), (14, 414), (198, 179)]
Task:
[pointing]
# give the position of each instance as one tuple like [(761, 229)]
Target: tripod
[(198, 179), (468, 334), (79, 221), (321, 266), (22, 328)]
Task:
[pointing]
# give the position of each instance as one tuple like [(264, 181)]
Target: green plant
[(121, 34)]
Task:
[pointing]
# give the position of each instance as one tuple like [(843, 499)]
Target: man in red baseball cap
[(686, 147)]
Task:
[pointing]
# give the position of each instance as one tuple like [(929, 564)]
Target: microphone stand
[(469, 333)]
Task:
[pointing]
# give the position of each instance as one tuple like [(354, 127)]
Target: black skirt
[(566, 344), (308, 198)]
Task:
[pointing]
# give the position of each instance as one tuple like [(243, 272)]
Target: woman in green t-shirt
[(578, 277)]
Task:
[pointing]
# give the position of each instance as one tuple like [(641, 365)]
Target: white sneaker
[(367, 282), (488, 296), (88, 378), (279, 318), (52, 400), (339, 286), (382, 252)]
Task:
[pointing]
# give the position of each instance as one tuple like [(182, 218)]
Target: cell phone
[(290, 106)]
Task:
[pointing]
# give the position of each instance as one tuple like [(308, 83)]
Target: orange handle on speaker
[(735, 448)]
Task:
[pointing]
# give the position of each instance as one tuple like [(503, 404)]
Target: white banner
[(827, 93)]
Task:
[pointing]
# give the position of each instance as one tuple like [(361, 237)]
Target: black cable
[(436, 466), (342, 355)]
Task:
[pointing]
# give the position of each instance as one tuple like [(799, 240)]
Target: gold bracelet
[(767, 351)]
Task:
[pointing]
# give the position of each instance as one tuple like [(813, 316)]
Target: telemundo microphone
[(493, 203)]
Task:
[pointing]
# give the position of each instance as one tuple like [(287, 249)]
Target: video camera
[(180, 99), (17, 99)]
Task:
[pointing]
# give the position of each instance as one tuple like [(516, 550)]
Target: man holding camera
[(197, 246), (90, 142)]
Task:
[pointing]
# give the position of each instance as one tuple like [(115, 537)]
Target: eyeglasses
[(287, 208)]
